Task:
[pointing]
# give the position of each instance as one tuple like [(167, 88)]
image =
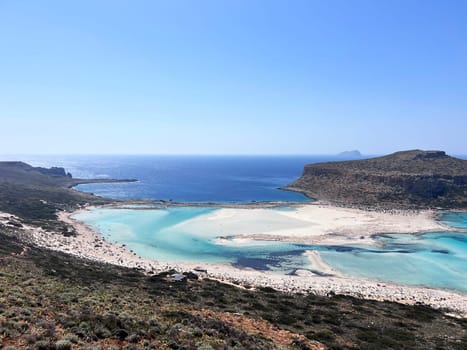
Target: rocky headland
[(22, 173), (409, 179), (37, 194)]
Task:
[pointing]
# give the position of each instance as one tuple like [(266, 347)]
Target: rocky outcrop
[(22, 173), (54, 171), (36, 194), (417, 179)]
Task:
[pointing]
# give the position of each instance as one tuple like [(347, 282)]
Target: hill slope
[(22, 173), (415, 179), (35, 194)]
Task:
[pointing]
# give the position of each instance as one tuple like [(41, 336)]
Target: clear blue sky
[(232, 77)]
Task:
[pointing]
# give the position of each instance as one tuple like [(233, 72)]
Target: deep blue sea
[(187, 178)]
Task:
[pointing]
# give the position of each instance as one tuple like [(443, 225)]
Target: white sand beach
[(310, 224), (321, 221)]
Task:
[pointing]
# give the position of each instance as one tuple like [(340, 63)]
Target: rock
[(54, 171), (178, 277), (190, 275), (409, 179), (200, 269)]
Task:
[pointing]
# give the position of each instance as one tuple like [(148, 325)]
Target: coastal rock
[(414, 179), (14, 172), (54, 171), (36, 194), (178, 277)]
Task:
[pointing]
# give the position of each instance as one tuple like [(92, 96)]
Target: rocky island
[(350, 155), (409, 179)]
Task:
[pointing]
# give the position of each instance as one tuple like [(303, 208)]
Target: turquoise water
[(454, 219), (433, 259), (155, 234)]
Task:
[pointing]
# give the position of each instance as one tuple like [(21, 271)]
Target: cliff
[(35, 194), (22, 173), (415, 179)]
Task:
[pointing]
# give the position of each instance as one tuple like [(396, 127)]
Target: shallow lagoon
[(159, 234), (454, 219), (432, 259)]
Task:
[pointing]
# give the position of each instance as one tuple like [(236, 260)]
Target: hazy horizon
[(232, 77), (14, 156)]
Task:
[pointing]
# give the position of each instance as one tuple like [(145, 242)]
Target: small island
[(354, 154)]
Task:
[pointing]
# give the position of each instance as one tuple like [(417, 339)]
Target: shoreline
[(91, 245), (312, 223)]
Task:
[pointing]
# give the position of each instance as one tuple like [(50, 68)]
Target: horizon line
[(185, 154)]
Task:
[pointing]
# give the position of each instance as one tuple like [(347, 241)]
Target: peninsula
[(36, 194), (410, 179)]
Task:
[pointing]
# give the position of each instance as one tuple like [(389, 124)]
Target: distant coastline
[(76, 182)]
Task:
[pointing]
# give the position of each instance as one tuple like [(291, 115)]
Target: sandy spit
[(313, 223)]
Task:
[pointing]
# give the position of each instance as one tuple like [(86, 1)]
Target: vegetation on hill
[(36, 194), (413, 179), (22, 173)]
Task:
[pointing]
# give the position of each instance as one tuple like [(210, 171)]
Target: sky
[(232, 76)]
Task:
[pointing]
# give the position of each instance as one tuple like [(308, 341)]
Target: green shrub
[(30, 338), (71, 337), (95, 347), (324, 335), (102, 332), (63, 345), (42, 345), (197, 332), (133, 338)]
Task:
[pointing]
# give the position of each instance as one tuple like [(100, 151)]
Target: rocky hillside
[(22, 173), (36, 194), (414, 179)]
